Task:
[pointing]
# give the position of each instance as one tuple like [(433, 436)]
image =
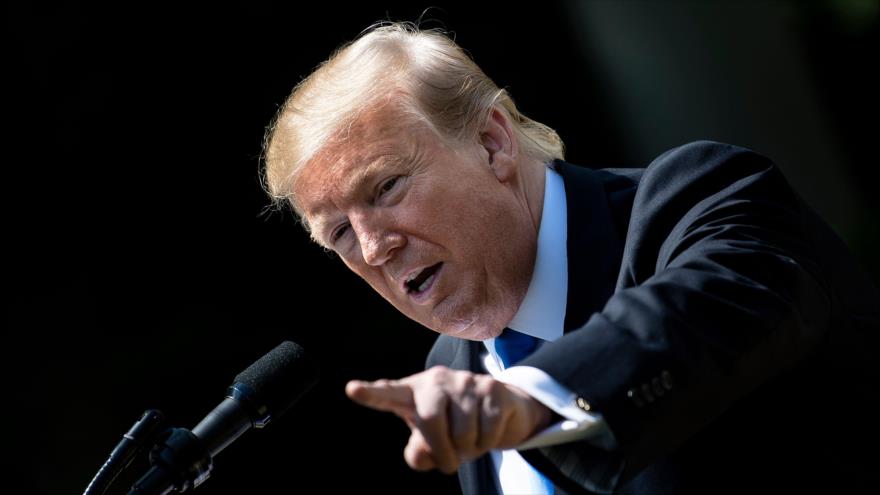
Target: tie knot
[(512, 346)]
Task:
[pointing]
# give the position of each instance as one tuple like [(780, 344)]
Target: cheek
[(458, 215)]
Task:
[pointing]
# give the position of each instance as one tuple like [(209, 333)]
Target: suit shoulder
[(707, 155), (707, 166)]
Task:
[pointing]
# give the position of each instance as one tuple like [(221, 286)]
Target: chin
[(470, 330), (468, 321)]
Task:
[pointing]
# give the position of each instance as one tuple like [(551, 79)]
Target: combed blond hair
[(425, 70)]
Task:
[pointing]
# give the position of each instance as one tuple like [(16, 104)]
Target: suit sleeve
[(721, 291)]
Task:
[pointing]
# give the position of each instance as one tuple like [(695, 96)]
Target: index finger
[(383, 395)]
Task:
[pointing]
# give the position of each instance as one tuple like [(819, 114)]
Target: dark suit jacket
[(719, 325)]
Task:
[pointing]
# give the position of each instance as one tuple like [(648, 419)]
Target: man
[(692, 326)]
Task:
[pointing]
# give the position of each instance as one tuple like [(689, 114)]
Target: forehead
[(376, 140)]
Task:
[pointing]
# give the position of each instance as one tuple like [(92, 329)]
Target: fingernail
[(352, 386)]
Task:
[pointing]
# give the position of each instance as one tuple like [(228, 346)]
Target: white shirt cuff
[(577, 425)]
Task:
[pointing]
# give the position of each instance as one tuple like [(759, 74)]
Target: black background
[(143, 269)]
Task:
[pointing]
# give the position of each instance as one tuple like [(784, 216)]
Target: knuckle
[(483, 384), (467, 380), (496, 387), (466, 405), (428, 417), (495, 394), (491, 404), (490, 415), (438, 374), (438, 370), (488, 385)]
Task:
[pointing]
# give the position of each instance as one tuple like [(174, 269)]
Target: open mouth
[(422, 281)]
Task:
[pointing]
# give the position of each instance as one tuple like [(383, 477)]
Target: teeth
[(426, 283), (412, 277)]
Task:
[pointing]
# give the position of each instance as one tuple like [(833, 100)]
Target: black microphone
[(262, 392)]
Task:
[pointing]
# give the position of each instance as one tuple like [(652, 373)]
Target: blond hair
[(425, 70)]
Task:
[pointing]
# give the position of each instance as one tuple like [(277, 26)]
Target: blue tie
[(512, 347)]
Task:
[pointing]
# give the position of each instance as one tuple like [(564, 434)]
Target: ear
[(499, 141)]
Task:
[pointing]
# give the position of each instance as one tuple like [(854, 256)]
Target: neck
[(532, 189)]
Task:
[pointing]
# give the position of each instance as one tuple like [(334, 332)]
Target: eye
[(338, 233), (388, 185)]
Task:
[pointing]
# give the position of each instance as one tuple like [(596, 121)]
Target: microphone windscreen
[(281, 377)]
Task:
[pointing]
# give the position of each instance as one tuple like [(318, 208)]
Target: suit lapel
[(598, 205)]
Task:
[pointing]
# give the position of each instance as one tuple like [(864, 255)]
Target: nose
[(377, 238)]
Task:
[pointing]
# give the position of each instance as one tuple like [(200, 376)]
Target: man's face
[(426, 223)]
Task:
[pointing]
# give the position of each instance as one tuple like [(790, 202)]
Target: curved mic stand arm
[(142, 435)]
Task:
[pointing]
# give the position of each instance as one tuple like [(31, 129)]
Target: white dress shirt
[(542, 315)]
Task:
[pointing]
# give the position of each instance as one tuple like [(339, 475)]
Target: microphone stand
[(142, 435), (180, 461)]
